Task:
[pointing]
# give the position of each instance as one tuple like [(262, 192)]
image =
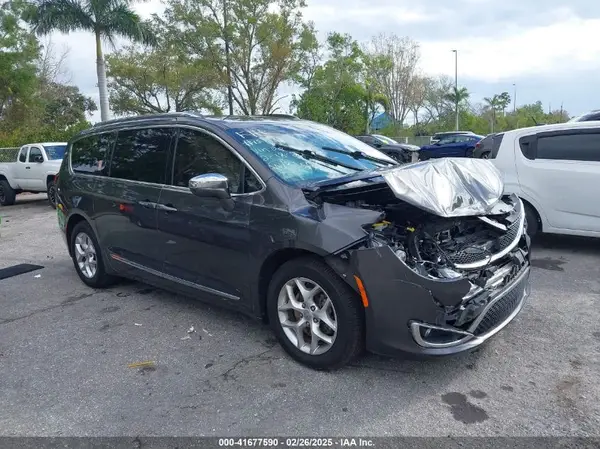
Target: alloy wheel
[(52, 194), (85, 254), (307, 316)]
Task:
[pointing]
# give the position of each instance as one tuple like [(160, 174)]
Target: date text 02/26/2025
[(292, 442)]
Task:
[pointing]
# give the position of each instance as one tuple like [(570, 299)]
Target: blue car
[(451, 146)]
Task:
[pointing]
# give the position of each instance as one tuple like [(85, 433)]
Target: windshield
[(55, 152), (264, 138), (385, 139)]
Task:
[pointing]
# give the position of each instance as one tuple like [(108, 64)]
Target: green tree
[(457, 95), (261, 44), (339, 94), (164, 78), (493, 104), (504, 100), (19, 50), (106, 19)]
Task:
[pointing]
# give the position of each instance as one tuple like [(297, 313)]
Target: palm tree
[(494, 104), (107, 19), (457, 95)]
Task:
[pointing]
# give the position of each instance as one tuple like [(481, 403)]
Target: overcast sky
[(550, 49)]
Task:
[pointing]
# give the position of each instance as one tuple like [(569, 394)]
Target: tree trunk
[(101, 72)]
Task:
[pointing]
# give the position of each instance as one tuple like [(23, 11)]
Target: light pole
[(456, 84), (227, 58), (515, 98)]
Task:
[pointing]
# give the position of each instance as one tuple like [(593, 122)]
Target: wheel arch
[(74, 219), (528, 204), (268, 268)]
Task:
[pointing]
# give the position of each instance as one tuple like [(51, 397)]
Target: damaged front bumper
[(500, 310), (411, 313)]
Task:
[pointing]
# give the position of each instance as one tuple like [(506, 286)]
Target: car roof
[(45, 143), (553, 127), (229, 121)]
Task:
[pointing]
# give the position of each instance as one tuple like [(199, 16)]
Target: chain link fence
[(418, 140), (8, 154)]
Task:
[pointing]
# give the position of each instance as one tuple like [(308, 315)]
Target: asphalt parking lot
[(65, 350)]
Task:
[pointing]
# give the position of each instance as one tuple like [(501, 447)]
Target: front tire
[(7, 194), (87, 257), (52, 194), (315, 315)]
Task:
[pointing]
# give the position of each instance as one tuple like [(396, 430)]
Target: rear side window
[(570, 147), (90, 154), (496, 142), (23, 155), (141, 155)]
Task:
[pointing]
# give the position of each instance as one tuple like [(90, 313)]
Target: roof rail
[(143, 117)]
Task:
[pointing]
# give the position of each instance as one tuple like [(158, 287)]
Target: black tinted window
[(496, 141), (141, 155), (571, 147), (90, 154), (198, 154), (23, 155), (35, 154)]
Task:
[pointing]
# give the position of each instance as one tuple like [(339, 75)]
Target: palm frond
[(65, 16), (121, 20)]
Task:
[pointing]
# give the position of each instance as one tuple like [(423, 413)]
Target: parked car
[(587, 117), (459, 145), (332, 242), (439, 136), (33, 171), (401, 152), (555, 170), (487, 146)]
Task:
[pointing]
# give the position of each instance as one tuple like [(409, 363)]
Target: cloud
[(552, 50)]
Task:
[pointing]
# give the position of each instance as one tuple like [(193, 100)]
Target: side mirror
[(377, 144), (213, 185)]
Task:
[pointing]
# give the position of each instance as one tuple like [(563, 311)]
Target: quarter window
[(198, 153), (23, 155), (141, 155), (570, 147), (90, 154)]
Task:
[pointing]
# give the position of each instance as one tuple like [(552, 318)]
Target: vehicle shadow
[(261, 333), (568, 243)]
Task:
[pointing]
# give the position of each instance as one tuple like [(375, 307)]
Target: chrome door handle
[(166, 208), (147, 204)]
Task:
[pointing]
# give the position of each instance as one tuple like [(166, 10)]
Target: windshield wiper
[(317, 157), (359, 155)]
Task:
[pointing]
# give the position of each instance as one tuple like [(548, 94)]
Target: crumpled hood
[(448, 187)]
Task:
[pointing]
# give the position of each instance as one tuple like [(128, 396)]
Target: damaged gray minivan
[(331, 241)]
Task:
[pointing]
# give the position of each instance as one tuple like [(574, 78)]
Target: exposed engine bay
[(460, 242), (487, 250)]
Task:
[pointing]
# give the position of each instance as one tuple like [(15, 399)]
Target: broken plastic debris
[(145, 364), (38, 276), (191, 330), (138, 324), (209, 334), (187, 337)]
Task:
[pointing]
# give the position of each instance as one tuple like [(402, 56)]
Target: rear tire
[(52, 194), (87, 257), (7, 194), (533, 221), (340, 321)]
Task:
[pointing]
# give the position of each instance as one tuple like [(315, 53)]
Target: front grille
[(472, 253), (501, 309)]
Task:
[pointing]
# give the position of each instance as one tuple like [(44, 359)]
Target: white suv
[(555, 170)]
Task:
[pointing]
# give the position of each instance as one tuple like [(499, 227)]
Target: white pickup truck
[(34, 170)]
